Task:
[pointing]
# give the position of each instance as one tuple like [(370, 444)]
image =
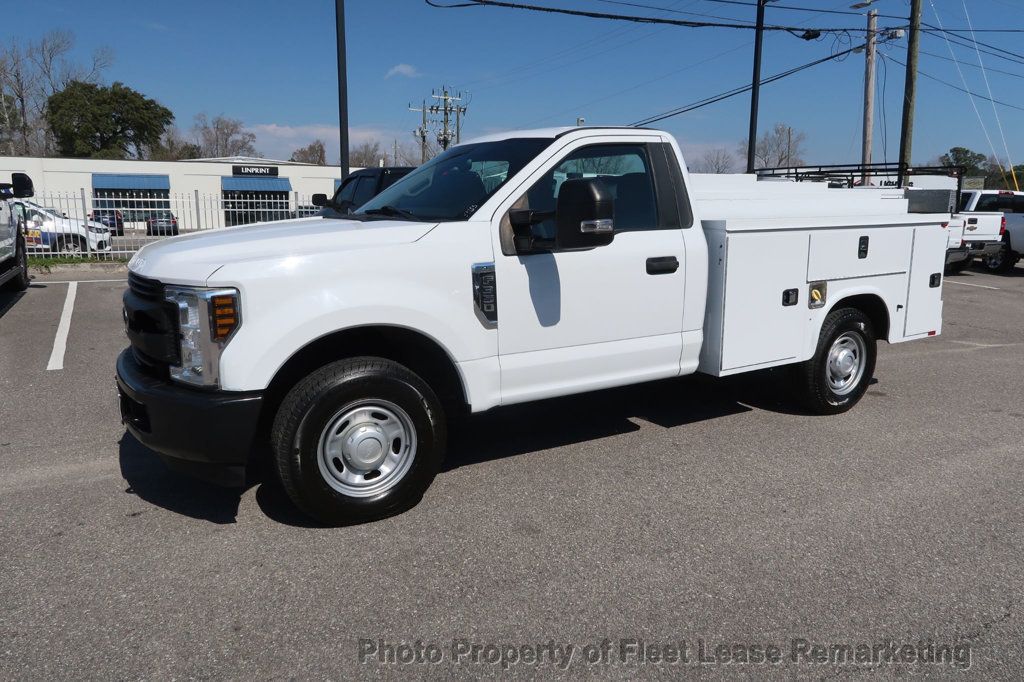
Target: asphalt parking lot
[(679, 513)]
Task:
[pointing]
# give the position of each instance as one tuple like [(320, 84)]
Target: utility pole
[(910, 89), (755, 85), (394, 157), (339, 18), (446, 108), (869, 93), (421, 132)]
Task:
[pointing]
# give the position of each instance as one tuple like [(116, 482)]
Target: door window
[(626, 170)]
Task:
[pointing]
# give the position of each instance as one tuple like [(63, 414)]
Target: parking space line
[(967, 284), (76, 281), (60, 341)]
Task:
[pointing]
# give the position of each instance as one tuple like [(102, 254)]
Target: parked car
[(112, 219), (47, 229), (340, 346), (358, 188), (1011, 204), (161, 224), (13, 249)]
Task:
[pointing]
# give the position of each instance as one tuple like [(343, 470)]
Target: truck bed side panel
[(757, 327)]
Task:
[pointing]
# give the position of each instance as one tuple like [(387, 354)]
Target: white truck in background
[(13, 252), (1000, 258), (515, 267)]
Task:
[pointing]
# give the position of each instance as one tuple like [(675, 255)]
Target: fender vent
[(485, 292)]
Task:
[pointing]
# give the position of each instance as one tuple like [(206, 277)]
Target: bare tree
[(719, 160), (778, 147), (29, 75), (366, 154), (223, 136), (315, 152), (173, 147)]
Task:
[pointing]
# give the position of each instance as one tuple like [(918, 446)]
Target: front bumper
[(209, 434)]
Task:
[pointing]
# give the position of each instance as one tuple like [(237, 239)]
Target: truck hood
[(192, 258)]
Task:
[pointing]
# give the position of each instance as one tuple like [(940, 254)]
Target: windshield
[(453, 186)]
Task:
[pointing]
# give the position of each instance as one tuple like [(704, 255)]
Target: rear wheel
[(21, 280), (358, 440), (1001, 262), (837, 377)]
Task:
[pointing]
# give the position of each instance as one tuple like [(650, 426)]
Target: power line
[(989, 68), (963, 79), (747, 3), (972, 45), (955, 87), (742, 89), (995, 111), (638, 19), (973, 41)]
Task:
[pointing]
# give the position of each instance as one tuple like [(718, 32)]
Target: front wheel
[(836, 378), (358, 440)]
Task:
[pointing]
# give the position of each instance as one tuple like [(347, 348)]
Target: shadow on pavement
[(7, 301), (501, 433), (520, 429), (150, 479)]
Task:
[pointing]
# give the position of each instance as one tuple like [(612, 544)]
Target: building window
[(135, 205)]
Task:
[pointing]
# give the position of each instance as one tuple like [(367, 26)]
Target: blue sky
[(272, 64)]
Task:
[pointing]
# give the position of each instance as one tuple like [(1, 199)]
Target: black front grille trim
[(145, 287)]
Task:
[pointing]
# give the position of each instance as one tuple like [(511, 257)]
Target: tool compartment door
[(758, 329), (924, 300), (856, 252)]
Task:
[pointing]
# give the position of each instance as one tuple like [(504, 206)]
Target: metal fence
[(114, 225)]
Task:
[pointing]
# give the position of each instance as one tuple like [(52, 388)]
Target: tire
[(1001, 263), (21, 280), (69, 245), (358, 440), (827, 384)]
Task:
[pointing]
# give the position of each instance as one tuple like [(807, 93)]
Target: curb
[(78, 267)]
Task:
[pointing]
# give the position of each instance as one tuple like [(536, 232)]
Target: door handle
[(662, 265)]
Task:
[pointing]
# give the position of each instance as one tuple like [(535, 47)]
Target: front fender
[(425, 289)]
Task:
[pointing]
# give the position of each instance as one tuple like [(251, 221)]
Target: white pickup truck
[(1010, 244), (512, 268), (13, 253)]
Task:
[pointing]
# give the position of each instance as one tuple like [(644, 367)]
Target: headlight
[(97, 230), (207, 319)]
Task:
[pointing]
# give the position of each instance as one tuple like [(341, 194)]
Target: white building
[(239, 189)]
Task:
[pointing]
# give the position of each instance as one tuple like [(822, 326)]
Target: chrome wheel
[(367, 448), (845, 363)]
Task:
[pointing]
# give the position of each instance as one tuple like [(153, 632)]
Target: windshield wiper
[(388, 210)]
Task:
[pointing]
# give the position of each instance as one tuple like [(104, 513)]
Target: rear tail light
[(1002, 227)]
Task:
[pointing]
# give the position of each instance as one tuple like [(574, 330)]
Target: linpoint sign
[(254, 170)]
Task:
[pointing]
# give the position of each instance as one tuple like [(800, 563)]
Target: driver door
[(571, 321)]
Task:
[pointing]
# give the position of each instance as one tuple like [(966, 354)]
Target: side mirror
[(22, 185), (585, 213), (319, 200)]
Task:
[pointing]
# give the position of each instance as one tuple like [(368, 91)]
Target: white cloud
[(407, 70)]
